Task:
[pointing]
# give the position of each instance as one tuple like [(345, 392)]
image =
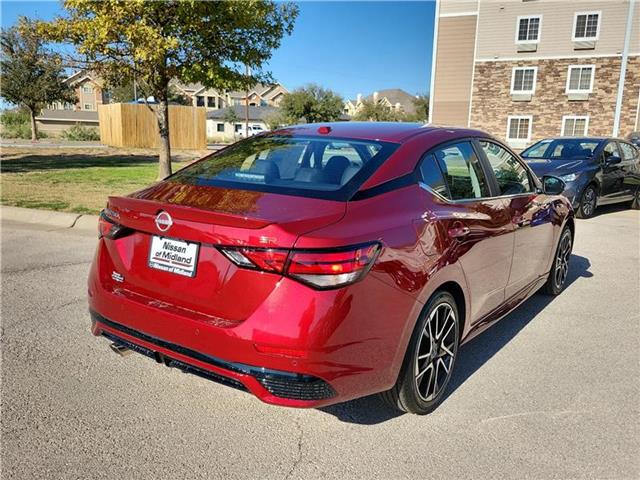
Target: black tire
[(588, 202), (411, 393), (560, 268), (635, 203)]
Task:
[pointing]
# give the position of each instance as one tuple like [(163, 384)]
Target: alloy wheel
[(562, 261), (589, 202), (436, 352)]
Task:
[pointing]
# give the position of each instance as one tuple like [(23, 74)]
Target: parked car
[(595, 170), (254, 129), (321, 263)]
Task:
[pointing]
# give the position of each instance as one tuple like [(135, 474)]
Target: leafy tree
[(124, 92), (371, 111), (230, 116), (312, 104), (421, 102), (276, 119), (32, 75), (189, 41)]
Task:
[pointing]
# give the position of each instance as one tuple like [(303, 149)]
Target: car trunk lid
[(208, 217)]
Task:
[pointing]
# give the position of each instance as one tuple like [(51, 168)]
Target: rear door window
[(432, 176), (462, 171), (610, 150), (629, 152), (306, 166), (511, 175)]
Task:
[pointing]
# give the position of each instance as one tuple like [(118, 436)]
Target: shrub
[(19, 130), (81, 133), (13, 117)]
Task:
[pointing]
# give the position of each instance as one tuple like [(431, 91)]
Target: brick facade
[(492, 102)]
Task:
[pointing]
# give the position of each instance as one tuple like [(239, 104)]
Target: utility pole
[(246, 106)]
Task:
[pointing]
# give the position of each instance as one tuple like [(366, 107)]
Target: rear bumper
[(301, 348), (272, 386)]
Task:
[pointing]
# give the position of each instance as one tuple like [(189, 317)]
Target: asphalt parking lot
[(550, 392)]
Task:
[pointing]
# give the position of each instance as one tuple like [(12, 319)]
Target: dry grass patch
[(76, 180)]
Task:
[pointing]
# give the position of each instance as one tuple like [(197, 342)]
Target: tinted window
[(432, 176), (307, 166), (610, 150), (564, 148), (462, 171), (629, 152), (511, 175)]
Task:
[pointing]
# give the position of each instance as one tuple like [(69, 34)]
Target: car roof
[(395, 132), (585, 139)]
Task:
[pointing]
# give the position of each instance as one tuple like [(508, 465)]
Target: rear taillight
[(320, 269), (268, 260), (109, 228)]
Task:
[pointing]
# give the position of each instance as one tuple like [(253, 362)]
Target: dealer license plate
[(173, 256)]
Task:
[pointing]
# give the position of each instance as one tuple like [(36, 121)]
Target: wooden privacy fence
[(133, 125)]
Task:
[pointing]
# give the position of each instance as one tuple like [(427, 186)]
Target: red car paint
[(491, 254)]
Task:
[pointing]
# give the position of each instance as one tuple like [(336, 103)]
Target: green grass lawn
[(75, 180)]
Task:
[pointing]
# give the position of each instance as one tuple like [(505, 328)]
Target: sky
[(349, 47)]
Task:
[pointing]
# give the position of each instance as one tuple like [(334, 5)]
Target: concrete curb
[(50, 218)]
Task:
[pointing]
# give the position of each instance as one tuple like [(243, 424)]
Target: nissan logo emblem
[(163, 221)]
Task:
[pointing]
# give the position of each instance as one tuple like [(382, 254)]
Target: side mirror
[(552, 185), (613, 160)]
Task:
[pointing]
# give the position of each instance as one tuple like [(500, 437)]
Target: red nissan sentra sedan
[(320, 263)]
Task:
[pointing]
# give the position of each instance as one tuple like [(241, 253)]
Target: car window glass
[(305, 166), (462, 171), (610, 150), (343, 150), (511, 175), (538, 150), (562, 148), (432, 176), (629, 152)]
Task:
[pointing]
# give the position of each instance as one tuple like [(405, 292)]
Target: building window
[(574, 126), (87, 89), (586, 26), (220, 127), (238, 127), (528, 30), (580, 78), (87, 106), (200, 101), (519, 128), (211, 102), (523, 80)]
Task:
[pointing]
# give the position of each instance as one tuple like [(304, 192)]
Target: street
[(550, 392)]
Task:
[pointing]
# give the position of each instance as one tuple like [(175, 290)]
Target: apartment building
[(393, 99), (259, 95), (88, 90), (529, 69)]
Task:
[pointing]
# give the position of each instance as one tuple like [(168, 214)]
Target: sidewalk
[(50, 218), (48, 143)]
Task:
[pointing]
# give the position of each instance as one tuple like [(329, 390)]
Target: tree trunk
[(34, 127), (165, 147)]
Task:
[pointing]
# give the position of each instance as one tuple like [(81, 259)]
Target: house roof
[(68, 115), (255, 113), (397, 95)]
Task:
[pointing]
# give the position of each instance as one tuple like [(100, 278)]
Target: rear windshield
[(564, 148), (305, 166)]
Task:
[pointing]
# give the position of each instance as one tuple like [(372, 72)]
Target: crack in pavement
[(299, 453), (45, 267)]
